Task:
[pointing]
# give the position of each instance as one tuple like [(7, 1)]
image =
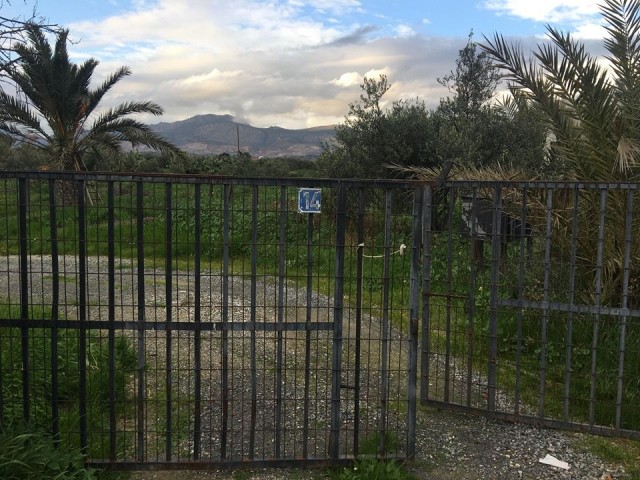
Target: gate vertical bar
[(545, 303), (492, 369), (141, 321), (471, 302), (55, 312), (359, 284), (226, 228), (23, 203), (338, 307), (598, 301), (307, 341), (450, 260), (414, 292), (111, 302), (197, 312), (425, 347), (168, 277), (386, 285), (570, 315), (82, 305), (253, 313), (521, 279), (625, 301), (279, 346)]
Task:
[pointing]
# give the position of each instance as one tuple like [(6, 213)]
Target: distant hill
[(215, 134)]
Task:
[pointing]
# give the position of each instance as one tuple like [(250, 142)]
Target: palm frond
[(129, 130), (622, 19), (124, 109), (495, 173), (97, 94), (17, 119)]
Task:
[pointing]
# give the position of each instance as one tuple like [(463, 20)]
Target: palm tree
[(592, 112), (55, 107), (593, 116)]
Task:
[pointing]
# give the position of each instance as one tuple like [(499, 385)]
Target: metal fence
[(198, 322), (532, 303), (191, 322)]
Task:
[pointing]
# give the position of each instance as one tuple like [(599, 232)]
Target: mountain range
[(215, 134)]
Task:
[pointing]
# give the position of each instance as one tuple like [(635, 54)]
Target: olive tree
[(373, 137)]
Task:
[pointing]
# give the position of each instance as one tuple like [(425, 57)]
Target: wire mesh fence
[(532, 305), (184, 322), (189, 321)]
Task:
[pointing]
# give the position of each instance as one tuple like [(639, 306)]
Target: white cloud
[(375, 73), (581, 17), (551, 11), (347, 79), (268, 63), (336, 7), (403, 30), (590, 30)]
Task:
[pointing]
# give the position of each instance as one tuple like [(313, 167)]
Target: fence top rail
[(307, 181), (458, 184), (208, 179)]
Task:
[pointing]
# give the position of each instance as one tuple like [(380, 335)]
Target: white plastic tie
[(400, 251)]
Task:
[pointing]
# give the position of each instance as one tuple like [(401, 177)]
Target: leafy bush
[(373, 469), (28, 455)]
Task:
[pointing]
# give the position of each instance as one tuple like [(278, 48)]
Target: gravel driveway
[(449, 445), (454, 446)]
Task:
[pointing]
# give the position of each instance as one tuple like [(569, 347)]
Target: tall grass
[(29, 455), (40, 390)]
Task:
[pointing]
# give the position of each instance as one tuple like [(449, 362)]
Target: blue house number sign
[(309, 200)]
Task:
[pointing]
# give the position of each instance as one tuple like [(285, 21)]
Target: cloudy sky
[(290, 63)]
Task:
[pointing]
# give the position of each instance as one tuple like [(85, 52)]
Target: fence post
[(493, 305), (336, 373), (386, 281), (570, 314), (253, 313), (168, 278), (358, 349), (197, 313), (545, 304), (82, 305), (140, 365), (624, 304), (426, 285), (111, 272), (55, 312), (282, 280), (414, 294), (23, 204), (598, 305), (226, 238)]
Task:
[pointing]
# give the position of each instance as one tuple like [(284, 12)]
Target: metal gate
[(531, 305), (199, 322)]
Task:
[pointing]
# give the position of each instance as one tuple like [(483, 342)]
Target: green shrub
[(373, 469), (28, 455)]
